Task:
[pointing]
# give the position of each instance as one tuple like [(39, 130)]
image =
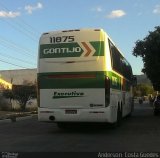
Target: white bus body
[(82, 77)]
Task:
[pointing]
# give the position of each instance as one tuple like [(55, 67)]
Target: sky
[(23, 21)]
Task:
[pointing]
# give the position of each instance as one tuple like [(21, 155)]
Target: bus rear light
[(107, 91), (38, 94), (70, 76)]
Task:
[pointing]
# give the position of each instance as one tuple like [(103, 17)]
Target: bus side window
[(119, 63), (115, 55)]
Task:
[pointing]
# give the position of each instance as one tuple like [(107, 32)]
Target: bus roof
[(73, 30)]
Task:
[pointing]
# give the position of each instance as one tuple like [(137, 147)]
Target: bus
[(82, 77)]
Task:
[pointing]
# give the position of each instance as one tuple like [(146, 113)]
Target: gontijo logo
[(70, 49), (62, 50), (58, 95), (75, 49)]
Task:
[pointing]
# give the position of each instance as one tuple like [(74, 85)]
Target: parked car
[(156, 105)]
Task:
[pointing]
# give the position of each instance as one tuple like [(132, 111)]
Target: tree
[(142, 90), (21, 93), (149, 50)]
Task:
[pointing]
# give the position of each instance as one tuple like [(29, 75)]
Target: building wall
[(19, 76)]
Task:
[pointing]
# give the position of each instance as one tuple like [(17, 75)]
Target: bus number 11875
[(60, 39)]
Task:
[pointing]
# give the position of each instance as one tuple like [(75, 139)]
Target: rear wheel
[(132, 108), (119, 118)]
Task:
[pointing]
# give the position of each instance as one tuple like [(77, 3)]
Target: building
[(19, 76)]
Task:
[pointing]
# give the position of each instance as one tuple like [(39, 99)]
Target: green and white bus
[(82, 77)]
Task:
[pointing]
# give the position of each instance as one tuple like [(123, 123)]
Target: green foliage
[(8, 94), (143, 90), (5, 105), (21, 93), (149, 50)]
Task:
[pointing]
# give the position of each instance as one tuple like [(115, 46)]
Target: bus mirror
[(134, 80)]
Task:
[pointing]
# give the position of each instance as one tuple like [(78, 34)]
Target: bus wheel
[(119, 118), (130, 114)]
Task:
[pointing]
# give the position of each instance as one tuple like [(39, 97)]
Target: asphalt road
[(141, 132)]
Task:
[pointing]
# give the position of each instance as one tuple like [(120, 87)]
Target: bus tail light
[(38, 93), (107, 91), (71, 76)]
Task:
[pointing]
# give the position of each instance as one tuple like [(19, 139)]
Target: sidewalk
[(12, 116)]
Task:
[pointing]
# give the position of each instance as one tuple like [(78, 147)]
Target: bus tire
[(131, 112), (119, 118)]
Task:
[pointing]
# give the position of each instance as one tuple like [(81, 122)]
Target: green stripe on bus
[(99, 47), (115, 80), (48, 81)]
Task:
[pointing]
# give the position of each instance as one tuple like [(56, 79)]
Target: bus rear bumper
[(75, 115)]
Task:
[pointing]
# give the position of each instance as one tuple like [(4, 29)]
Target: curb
[(17, 119), (5, 121), (23, 118)]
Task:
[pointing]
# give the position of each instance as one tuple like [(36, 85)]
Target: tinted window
[(126, 69), (116, 64), (119, 63)]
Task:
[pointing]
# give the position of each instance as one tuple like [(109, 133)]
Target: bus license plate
[(71, 111)]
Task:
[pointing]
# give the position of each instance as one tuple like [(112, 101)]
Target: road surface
[(141, 132)]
